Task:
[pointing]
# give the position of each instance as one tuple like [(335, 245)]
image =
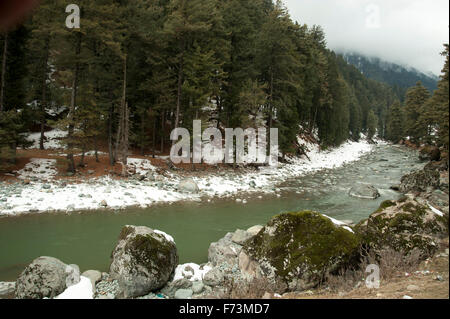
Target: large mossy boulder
[(45, 277), (296, 250), (404, 226), (420, 181), (143, 261)]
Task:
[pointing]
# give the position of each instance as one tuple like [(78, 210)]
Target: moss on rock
[(301, 247), (404, 226)]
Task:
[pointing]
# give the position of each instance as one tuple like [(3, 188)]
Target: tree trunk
[(179, 86), (70, 159), (163, 126), (44, 92), (154, 137), (123, 131), (2, 87), (110, 142), (96, 149)]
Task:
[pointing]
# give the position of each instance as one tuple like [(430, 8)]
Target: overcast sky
[(409, 32)]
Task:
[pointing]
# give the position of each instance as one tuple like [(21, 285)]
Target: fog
[(408, 32)]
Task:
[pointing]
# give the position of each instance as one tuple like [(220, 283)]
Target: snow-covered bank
[(106, 192)]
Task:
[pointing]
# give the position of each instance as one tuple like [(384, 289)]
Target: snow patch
[(82, 290)]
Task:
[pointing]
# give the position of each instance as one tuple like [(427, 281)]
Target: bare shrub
[(391, 263)]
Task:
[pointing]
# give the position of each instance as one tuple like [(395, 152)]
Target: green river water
[(88, 238)]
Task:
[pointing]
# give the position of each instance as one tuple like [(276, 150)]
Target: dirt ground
[(431, 280)]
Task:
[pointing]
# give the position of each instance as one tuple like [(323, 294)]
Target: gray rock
[(183, 294), (7, 288), (214, 277), (143, 261), (44, 277), (224, 251), (253, 231), (172, 287), (240, 237), (188, 186), (364, 191), (94, 276), (198, 287), (420, 181)]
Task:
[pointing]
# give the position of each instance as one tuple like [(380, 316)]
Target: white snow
[(142, 165), (436, 211), (52, 139), (339, 223), (38, 168), (82, 290), (197, 275), (166, 236), (127, 193)]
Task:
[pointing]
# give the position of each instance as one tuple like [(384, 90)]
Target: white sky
[(408, 32)]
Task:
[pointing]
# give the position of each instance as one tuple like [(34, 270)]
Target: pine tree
[(372, 124), (414, 104), (395, 125)]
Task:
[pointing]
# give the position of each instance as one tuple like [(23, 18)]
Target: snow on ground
[(142, 165), (52, 141), (120, 194), (38, 168), (191, 271), (82, 290)]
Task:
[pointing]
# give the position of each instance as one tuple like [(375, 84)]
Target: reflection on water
[(88, 238)]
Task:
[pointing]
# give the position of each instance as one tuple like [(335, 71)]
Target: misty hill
[(400, 77)]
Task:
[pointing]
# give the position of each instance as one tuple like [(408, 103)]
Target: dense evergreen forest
[(137, 69)]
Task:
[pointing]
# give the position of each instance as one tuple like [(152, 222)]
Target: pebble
[(407, 297), (412, 288)]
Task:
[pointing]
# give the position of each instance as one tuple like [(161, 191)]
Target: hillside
[(398, 76)]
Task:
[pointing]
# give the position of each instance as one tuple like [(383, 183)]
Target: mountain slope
[(400, 77)]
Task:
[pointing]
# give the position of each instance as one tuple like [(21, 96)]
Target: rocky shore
[(293, 253)]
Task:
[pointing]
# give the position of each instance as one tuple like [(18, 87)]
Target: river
[(88, 238)]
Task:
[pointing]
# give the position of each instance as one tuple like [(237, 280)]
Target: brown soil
[(429, 286)]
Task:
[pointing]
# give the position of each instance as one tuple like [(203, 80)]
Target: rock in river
[(364, 191), (44, 277), (189, 186), (143, 261)]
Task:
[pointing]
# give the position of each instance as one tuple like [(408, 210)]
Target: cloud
[(408, 32)]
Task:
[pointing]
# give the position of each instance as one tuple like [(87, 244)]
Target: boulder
[(364, 191), (224, 251), (240, 237), (404, 226), (214, 277), (172, 287), (143, 261), (198, 287), (420, 181), (255, 230), (296, 250), (7, 288), (183, 294), (429, 153), (189, 186), (45, 277)]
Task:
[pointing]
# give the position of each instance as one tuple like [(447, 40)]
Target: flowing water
[(88, 238)]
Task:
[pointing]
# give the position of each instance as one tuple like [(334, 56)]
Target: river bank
[(38, 186)]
